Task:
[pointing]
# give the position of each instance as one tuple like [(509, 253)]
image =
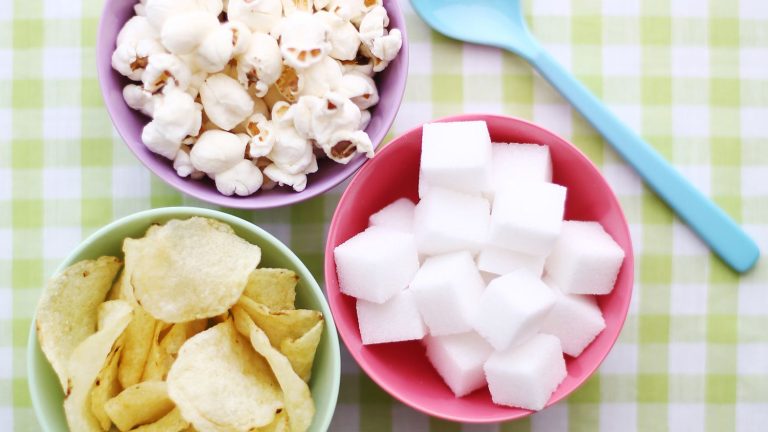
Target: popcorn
[(139, 8), (344, 144), (196, 81), (386, 47), (252, 98), (297, 181), (379, 43), (158, 11), (183, 165), (289, 84), (241, 36), (260, 130), (303, 39), (373, 25), (215, 51), (259, 15), (225, 101), (352, 10), (291, 6), (291, 152), (362, 64), (242, 179), (159, 143), (135, 29), (319, 118), (217, 151), (360, 89), (139, 99), (261, 65), (320, 78), (132, 57), (343, 36), (163, 68), (365, 119), (177, 115)]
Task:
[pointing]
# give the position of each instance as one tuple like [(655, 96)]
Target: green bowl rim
[(32, 342)]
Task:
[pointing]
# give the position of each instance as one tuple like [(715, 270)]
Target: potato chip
[(151, 367), (219, 383), (190, 269), (274, 288), (116, 292), (87, 360), (67, 312), (301, 351), (164, 351), (137, 344), (142, 403), (298, 399), (279, 424), (171, 422), (106, 386), (281, 325)]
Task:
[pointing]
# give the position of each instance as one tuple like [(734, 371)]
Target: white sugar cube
[(526, 375), (395, 320), (459, 360), (527, 217), (585, 259), (456, 155), (512, 308), (448, 221), (500, 261), (575, 319), (447, 289), (398, 215), (376, 264), (516, 163)]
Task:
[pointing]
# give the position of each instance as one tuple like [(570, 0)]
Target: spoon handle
[(711, 223)]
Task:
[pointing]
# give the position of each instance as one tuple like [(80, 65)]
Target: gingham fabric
[(690, 75)]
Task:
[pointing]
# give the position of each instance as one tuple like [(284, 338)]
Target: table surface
[(691, 76)]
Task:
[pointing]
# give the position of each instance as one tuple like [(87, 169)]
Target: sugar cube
[(515, 163), (512, 308), (456, 155), (459, 360), (500, 261), (376, 264), (449, 221), (585, 259), (398, 215), (574, 319), (527, 217), (526, 375), (447, 289), (395, 320)]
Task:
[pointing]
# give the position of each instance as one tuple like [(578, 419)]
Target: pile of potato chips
[(190, 336)]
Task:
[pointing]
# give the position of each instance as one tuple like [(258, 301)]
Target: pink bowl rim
[(373, 374), (103, 51)]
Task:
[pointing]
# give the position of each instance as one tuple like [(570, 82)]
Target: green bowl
[(47, 396)]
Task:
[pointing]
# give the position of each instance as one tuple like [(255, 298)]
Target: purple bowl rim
[(375, 377), (103, 48)]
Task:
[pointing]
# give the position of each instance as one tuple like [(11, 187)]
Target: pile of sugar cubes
[(483, 269)]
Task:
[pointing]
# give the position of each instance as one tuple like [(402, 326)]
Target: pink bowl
[(129, 123), (402, 369)]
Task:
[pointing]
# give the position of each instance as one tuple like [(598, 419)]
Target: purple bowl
[(129, 123)]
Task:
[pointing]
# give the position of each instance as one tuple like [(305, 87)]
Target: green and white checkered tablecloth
[(690, 75)]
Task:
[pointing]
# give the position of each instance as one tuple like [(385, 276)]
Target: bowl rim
[(330, 266), (33, 384), (104, 48)]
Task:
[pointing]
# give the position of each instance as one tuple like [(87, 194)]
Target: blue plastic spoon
[(500, 23)]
